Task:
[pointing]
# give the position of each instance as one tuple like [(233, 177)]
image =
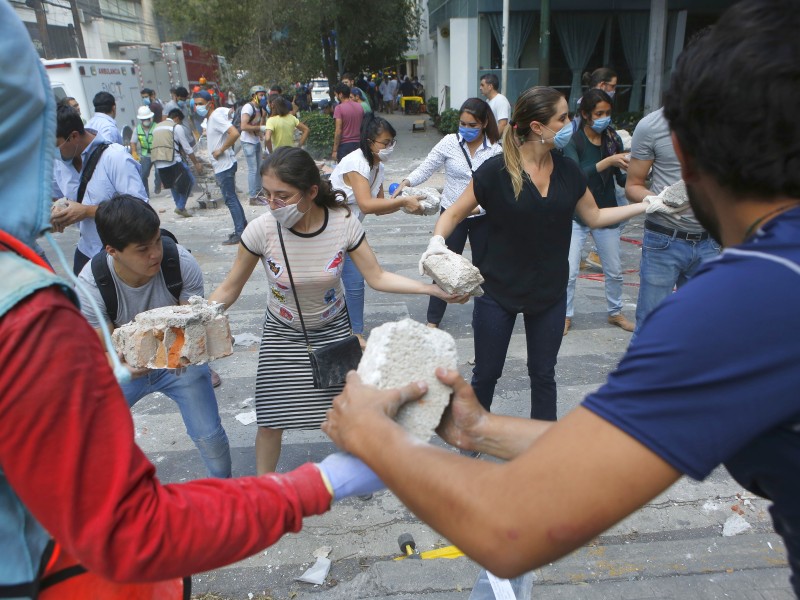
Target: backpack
[(170, 267), (236, 121)]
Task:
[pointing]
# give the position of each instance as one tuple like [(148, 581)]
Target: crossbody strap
[(291, 281), (469, 162)]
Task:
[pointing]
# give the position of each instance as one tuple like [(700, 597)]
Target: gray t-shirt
[(652, 141), (132, 301)]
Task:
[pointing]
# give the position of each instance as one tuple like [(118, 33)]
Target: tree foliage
[(270, 41)]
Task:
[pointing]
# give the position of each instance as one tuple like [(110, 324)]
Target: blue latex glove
[(349, 476)]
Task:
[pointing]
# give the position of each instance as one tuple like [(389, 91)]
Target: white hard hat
[(144, 113)]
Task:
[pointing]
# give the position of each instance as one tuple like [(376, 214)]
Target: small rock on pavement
[(735, 525)]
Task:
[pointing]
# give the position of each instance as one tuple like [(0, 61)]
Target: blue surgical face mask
[(600, 125), (146, 101), (263, 102), (611, 93), (469, 134), (182, 103), (562, 138), (61, 156), (201, 110)]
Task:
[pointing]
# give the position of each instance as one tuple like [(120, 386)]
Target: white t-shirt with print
[(316, 259), (248, 110), (356, 163)]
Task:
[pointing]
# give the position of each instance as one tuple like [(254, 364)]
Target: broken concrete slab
[(454, 274), (431, 201), (405, 351), (175, 336)]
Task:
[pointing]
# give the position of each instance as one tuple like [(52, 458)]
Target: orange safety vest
[(66, 579)]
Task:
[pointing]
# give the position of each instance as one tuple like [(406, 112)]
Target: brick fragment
[(454, 274), (405, 351), (175, 336)]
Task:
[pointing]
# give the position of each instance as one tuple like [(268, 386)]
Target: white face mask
[(288, 215), (385, 153)]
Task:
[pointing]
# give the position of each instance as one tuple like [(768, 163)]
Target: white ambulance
[(82, 78)]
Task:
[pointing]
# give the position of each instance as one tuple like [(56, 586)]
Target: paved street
[(673, 548)]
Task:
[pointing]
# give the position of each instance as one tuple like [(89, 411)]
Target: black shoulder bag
[(329, 364)]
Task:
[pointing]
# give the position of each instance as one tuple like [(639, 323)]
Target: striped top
[(316, 259)]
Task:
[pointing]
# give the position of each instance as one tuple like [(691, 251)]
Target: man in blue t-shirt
[(713, 377)]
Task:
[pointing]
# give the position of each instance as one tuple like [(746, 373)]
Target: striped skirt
[(285, 394)]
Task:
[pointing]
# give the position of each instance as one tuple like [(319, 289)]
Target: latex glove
[(349, 476), (435, 246), (655, 204), (263, 128)]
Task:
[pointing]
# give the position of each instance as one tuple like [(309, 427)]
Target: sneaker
[(568, 324), (183, 212), (620, 321), (593, 260), (216, 380), (157, 190), (258, 201), (233, 240)]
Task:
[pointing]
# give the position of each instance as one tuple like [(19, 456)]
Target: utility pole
[(41, 22), (76, 21), (544, 43), (504, 69)]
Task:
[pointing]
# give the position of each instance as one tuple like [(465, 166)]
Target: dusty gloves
[(435, 246), (672, 199), (348, 476)]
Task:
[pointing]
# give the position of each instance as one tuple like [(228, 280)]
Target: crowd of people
[(525, 186)]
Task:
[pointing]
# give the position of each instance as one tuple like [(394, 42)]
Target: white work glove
[(435, 246), (655, 204), (349, 476)]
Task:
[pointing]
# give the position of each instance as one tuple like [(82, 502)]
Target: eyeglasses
[(387, 143), (276, 202)]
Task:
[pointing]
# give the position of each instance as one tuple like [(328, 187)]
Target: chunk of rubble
[(454, 274), (59, 204), (175, 336), (431, 201), (405, 351), (675, 195)]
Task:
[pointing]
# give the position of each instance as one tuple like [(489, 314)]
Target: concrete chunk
[(454, 274), (175, 336), (430, 204), (405, 351)]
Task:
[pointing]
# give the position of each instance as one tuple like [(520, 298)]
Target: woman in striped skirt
[(317, 231)]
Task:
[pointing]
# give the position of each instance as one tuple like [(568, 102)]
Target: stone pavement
[(673, 548)]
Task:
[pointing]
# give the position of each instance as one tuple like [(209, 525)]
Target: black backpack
[(170, 267), (236, 120)]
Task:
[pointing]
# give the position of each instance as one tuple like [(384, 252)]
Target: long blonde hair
[(534, 104)]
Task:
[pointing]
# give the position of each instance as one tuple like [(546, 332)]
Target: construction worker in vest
[(143, 144), (82, 512)]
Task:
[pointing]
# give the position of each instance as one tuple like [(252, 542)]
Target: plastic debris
[(317, 572)]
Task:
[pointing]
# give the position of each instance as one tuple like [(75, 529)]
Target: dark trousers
[(345, 149), (492, 326), (477, 230), (79, 261)]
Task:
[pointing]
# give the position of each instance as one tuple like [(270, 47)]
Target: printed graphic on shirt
[(275, 267), (286, 313), (285, 288), (336, 263), (277, 294), (330, 296), (332, 310)]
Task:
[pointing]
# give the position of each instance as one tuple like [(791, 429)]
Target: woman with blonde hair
[(529, 194)]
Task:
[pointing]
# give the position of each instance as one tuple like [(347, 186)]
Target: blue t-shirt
[(714, 375)]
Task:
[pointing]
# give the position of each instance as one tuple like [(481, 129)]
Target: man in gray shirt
[(673, 245), (130, 232)]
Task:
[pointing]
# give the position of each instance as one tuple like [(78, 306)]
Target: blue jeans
[(492, 326), (353, 282), (193, 394), (227, 184), (477, 229), (667, 262), (346, 148), (181, 198), (147, 166), (607, 242), (252, 155)]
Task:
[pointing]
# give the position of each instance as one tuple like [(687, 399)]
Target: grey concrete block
[(431, 202), (454, 274), (406, 351)]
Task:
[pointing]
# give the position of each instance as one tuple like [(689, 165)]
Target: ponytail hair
[(598, 76), (295, 167), (534, 104)]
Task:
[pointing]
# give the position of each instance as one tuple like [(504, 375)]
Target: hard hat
[(202, 80), (256, 89), (144, 113)]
